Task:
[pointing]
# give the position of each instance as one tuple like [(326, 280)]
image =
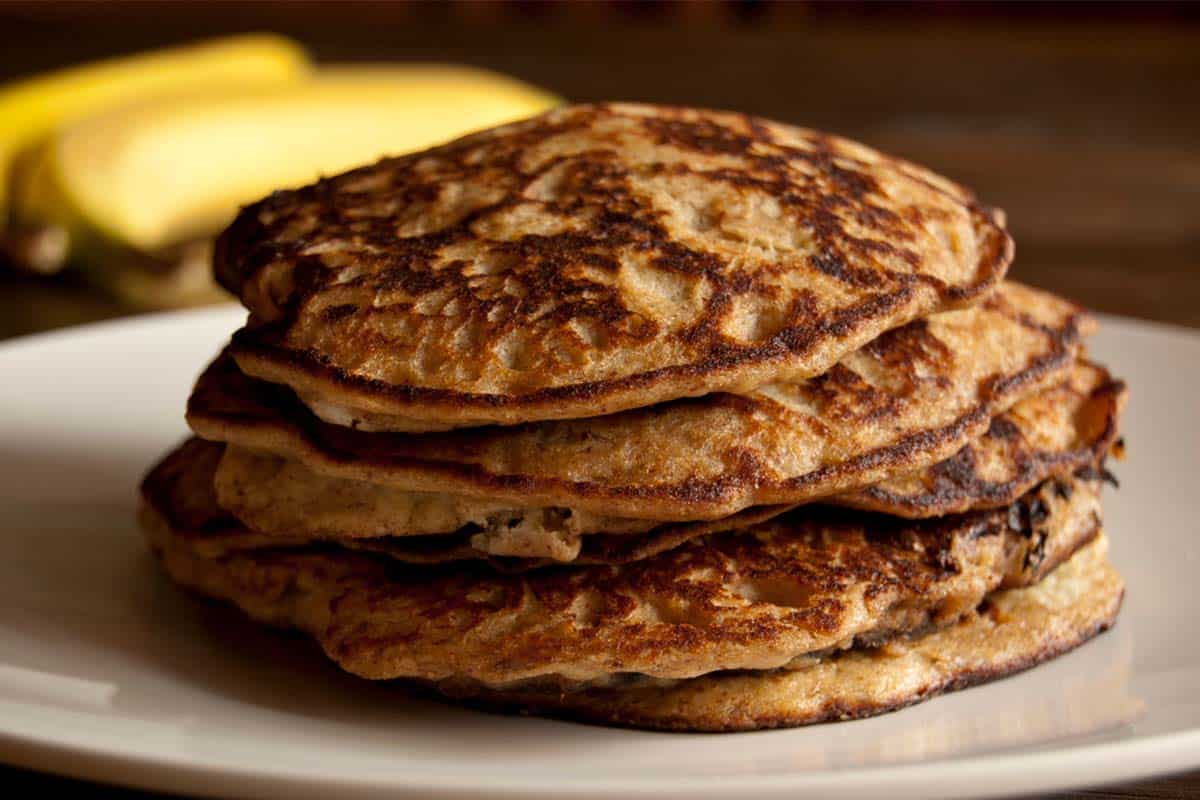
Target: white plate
[(108, 672)]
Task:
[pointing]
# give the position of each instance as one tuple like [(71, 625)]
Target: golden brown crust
[(270, 494), (1013, 631), (802, 583), (1052, 433), (594, 259), (182, 484), (597, 548), (912, 397)]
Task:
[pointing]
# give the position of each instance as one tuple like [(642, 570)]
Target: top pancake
[(594, 259)]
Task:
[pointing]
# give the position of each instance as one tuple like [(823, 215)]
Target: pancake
[(271, 502), (909, 399), (591, 260), (598, 548), (270, 494), (1056, 432), (809, 582), (1053, 433), (190, 478), (1012, 631)]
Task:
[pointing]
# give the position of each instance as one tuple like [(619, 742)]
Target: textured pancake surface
[(800, 584), (594, 259), (224, 518), (911, 398), (1053, 433), (270, 494), (1012, 631), (1056, 432), (596, 548)]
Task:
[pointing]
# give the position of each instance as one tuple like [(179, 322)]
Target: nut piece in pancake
[(194, 477), (1013, 631), (270, 494), (596, 548), (594, 259), (910, 398), (1053, 433), (800, 584)]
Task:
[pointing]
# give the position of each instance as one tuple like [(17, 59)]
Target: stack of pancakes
[(651, 416)]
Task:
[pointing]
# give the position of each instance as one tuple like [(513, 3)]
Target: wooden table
[(1084, 129)]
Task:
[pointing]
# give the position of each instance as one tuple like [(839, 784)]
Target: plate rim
[(1014, 773)]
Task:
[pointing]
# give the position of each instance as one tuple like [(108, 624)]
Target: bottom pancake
[(1011, 631), (808, 583)]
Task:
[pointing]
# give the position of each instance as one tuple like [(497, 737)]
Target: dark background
[(1081, 120)]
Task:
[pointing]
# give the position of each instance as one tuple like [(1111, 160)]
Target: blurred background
[(1081, 120)]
